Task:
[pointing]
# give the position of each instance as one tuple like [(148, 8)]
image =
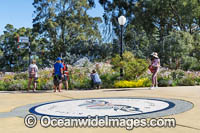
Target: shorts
[(35, 79), (65, 78), (97, 83), (57, 80)]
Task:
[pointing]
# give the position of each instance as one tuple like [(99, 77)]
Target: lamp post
[(122, 21)]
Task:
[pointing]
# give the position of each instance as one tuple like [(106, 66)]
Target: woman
[(96, 81), (33, 75), (154, 67)]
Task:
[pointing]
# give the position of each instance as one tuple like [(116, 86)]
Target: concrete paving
[(186, 122)]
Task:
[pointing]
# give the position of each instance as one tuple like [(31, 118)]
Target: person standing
[(154, 68), (58, 74), (96, 81), (33, 75), (66, 75)]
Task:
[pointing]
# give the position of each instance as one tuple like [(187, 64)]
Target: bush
[(109, 79), (80, 84), (190, 63), (165, 82), (178, 74), (2, 86), (15, 87), (132, 67), (197, 80), (21, 76), (188, 81), (144, 82)]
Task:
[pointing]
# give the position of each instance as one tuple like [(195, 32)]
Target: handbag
[(152, 69)]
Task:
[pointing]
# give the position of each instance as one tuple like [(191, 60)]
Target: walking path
[(186, 121)]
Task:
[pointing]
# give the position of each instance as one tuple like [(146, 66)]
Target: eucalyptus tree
[(66, 25)]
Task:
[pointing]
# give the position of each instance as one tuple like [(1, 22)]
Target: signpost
[(23, 39)]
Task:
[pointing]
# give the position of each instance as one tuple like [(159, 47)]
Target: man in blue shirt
[(58, 74)]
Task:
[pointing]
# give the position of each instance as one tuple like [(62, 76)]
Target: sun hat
[(154, 54), (58, 59)]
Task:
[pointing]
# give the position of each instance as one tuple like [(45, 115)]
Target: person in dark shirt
[(66, 75)]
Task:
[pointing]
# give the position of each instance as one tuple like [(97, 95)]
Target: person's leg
[(154, 78), (29, 83), (55, 83), (98, 86), (60, 84), (59, 87), (66, 84), (35, 84), (92, 84), (55, 88), (156, 81)]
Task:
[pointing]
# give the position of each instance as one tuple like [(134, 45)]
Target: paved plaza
[(180, 103)]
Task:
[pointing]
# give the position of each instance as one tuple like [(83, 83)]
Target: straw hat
[(154, 54)]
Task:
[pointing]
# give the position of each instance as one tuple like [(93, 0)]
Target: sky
[(19, 13)]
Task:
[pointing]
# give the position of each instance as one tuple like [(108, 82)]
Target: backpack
[(32, 72)]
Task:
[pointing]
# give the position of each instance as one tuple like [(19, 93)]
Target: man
[(66, 76), (58, 74), (33, 75)]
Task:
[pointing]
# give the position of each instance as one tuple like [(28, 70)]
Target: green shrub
[(188, 81), (2, 86), (197, 80), (109, 79), (178, 74), (15, 87), (132, 67), (21, 76), (81, 84), (47, 85), (165, 82), (190, 63)]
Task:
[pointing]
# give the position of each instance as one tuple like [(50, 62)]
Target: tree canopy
[(64, 28)]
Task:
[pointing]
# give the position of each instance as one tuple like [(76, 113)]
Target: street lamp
[(122, 21)]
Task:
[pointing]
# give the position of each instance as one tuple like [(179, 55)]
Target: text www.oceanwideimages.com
[(128, 123)]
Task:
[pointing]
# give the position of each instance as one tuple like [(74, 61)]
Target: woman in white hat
[(155, 65)]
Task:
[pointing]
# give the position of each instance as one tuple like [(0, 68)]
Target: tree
[(15, 55), (67, 25), (177, 47), (132, 66)]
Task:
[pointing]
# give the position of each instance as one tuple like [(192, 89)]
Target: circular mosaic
[(113, 107), (101, 107)]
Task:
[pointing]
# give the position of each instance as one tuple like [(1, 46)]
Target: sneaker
[(156, 87), (151, 88)]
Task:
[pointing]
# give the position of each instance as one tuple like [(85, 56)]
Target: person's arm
[(36, 69), (158, 62), (53, 70), (61, 70)]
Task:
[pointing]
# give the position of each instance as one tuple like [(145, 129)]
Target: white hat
[(154, 54)]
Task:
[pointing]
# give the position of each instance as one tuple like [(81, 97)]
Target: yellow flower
[(131, 84)]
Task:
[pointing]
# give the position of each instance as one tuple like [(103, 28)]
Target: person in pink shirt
[(155, 65)]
